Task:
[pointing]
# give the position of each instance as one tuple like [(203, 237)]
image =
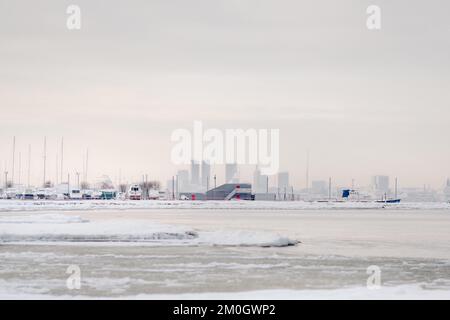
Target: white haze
[(364, 102)]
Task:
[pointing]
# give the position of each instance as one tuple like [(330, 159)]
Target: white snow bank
[(244, 238), (41, 218), (62, 229), (21, 205), (401, 292)]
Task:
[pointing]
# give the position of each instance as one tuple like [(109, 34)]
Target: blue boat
[(389, 201)]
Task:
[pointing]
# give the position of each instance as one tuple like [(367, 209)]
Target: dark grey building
[(228, 191), (231, 191)]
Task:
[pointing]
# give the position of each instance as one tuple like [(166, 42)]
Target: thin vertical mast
[(396, 188), (62, 158), (29, 165), (329, 189), (45, 156), (84, 168), (57, 171), (307, 170), (20, 167), (87, 165), (13, 159)]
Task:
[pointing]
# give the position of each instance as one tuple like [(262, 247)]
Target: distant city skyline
[(242, 173)]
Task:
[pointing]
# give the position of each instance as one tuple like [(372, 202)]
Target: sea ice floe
[(60, 228)]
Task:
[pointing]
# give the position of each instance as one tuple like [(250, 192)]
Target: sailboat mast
[(62, 158), (13, 159), (57, 171), (87, 165), (396, 188), (29, 165), (20, 167), (307, 170), (45, 156)]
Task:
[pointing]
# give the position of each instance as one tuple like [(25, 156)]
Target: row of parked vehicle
[(134, 193), (51, 194)]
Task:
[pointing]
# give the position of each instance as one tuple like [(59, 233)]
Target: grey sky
[(364, 102)]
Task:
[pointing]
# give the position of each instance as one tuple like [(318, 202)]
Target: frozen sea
[(224, 251)]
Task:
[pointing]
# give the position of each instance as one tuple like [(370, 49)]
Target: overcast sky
[(364, 102)]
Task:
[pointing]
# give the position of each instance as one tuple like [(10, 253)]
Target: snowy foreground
[(21, 205), (402, 292), (232, 250)]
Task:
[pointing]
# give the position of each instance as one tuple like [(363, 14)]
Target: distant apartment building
[(183, 180), (380, 184), (447, 191), (231, 173), (195, 173), (260, 182), (283, 181), (206, 174)]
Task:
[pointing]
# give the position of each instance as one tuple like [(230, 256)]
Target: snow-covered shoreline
[(74, 205)]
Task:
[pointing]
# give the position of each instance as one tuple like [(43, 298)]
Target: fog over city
[(362, 102)]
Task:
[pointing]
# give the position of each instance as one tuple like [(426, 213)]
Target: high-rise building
[(206, 174), (447, 190), (183, 181), (380, 184), (259, 182), (195, 173), (283, 181), (231, 174)]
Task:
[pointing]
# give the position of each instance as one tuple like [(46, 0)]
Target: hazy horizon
[(362, 102)]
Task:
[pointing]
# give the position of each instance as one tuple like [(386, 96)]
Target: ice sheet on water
[(245, 238), (59, 228), (41, 218), (400, 292), (108, 231)]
